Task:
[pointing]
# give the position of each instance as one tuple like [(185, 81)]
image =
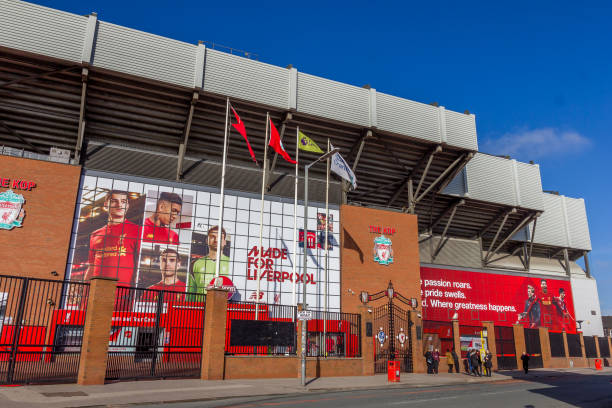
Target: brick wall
[(359, 270), (41, 244)]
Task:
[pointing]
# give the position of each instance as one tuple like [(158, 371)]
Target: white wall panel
[(586, 301), (458, 185), (406, 117), (461, 130), (41, 30), (490, 178), (530, 185), (333, 100), (578, 224), (243, 78), (142, 54), (550, 229)]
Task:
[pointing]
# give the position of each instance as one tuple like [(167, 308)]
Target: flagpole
[(261, 211), (295, 204), (326, 252), (222, 198)]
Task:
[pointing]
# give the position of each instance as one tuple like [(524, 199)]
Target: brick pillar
[(96, 332), (418, 361), (367, 343), (582, 345), (565, 346), (213, 339), (490, 326), (610, 345), (596, 338), (545, 347), (519, 343)]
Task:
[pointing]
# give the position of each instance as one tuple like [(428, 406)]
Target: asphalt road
[(545, 391)]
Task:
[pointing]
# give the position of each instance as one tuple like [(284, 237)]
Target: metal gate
[(392, 332), (504, 345), (533, 347), (40, 338), (155, 334)]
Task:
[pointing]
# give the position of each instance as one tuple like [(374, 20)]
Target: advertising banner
[(502, 299), (165, 238)]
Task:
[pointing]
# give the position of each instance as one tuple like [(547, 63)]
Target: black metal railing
[(41, 329), (604, 347), (334, 334), (589, 347), (260, 329), (557, 346), (505, 348), (574, 349), (156, 334), (533, 347)]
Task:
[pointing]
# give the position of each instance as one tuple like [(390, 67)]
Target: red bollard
[(393, 371)]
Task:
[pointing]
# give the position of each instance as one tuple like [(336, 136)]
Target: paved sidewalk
[(158, 391)]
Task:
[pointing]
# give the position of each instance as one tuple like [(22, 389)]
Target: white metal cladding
[(243, 78), (550, 228), (333, 100), (578, 224), (456, 252), (406, 117), (458, 185), (461, 130), (490, 178), (146, 55), (530, 185), (41, 30)]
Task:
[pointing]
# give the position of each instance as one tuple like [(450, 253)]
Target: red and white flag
[(277, 145), (239, 126)]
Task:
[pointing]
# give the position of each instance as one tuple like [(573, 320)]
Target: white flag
[(342, 169)]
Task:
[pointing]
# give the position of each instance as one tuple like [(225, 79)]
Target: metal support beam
[(15, 133), (516, 229), (556, 253), (568, 270), (438, 179), (442, 241), (81, 129), (464, 161), (533, 231), (38, 76), (587, 267), (411, 206), (183, 146), (499, 229), (425, 160), (512, 253), (494, 221), (448, 210), (287, 118)]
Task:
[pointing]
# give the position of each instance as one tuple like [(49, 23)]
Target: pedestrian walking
[(474, 361), (469, 361), (449, 360), (488, 363), (479, 363), (436, 361), (456, 360), (429, 362), (525, 359)]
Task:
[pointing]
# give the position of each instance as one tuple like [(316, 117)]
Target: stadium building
[(92, 113)]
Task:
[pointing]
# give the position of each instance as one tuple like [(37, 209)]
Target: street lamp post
[(304, 323)]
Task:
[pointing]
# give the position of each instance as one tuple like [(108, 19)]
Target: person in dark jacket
[(429, 362), (488, 363), (436, 361), (525, 359), (474, 359), (479, 363), (468, 359), (456, 359)]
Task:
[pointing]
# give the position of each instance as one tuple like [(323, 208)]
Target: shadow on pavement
[(575, 388)]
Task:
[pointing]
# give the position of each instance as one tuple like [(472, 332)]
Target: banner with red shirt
[(503, 299)]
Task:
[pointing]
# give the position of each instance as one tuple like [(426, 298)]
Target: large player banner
[(502, 299)]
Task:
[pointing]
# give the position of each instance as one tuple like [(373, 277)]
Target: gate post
[(596, 338), (519, 343), (213, 337), (565, 346), (457, 342), (96, 331), (582, 347), (418, 361), (367, 343), (490, 326), (545, 347)]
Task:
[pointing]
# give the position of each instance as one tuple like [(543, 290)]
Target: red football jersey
[(153, 233), (168, 296), (113, 251)]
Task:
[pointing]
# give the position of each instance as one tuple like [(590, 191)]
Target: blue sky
[(536, 74)]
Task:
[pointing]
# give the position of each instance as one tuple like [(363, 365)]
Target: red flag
[(239, 126), (277, 145)]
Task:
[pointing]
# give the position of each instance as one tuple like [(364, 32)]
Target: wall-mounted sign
[(17, 184), (383, 250), (377, 229), (11, 211)]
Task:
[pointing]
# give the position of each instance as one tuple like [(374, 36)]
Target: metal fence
[(574, 348), (557, 347), (589, 346), (155, 334), (260, 329), (505, 349), (604, 347), (533, 347), (41, 329), (333, 334)]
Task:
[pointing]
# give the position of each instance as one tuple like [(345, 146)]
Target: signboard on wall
[(502, 299), (162, 237)]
